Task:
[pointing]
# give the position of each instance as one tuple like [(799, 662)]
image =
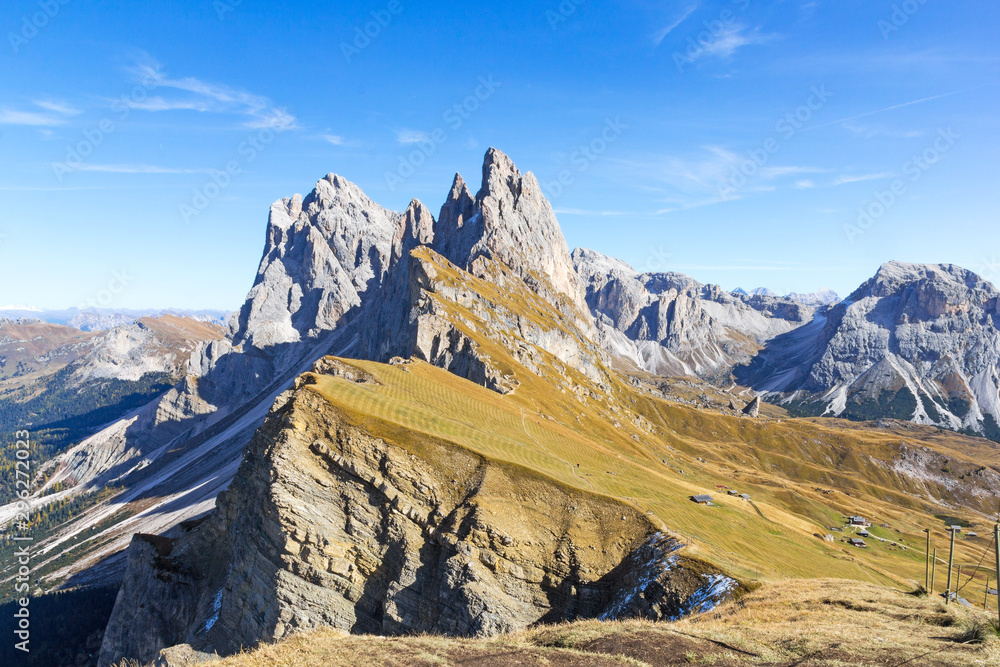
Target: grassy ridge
[(542, 429)]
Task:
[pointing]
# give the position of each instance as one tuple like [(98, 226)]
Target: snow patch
[(216, 610)]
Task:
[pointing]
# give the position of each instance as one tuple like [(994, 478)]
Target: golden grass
[(815, 622), (785, 467)]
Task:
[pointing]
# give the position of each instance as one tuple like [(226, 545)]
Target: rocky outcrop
[(321, 255), (917, 341), (336, 277), (511, 221), (328, 524), (752, 408), (670, 324), (454, 318)]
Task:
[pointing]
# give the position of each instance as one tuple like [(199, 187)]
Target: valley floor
[(799, 622)]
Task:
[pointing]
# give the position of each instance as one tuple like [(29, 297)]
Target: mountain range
[(455, 425), (98, 319)]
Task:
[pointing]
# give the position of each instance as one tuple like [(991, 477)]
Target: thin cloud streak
[(411, 136), (55, 114), (844, 180), (662, 34), (893, 107), (138, 169)]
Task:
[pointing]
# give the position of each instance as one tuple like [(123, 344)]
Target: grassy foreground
[(815, 622)]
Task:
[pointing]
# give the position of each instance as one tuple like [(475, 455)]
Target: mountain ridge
[(349, 294)]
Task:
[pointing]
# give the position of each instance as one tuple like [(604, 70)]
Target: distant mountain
[(101, 318), (32, 349), (818, 299), (822, 297), (919, 342), (65, 384), (670, 324)]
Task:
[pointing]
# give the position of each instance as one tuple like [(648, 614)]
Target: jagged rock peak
[(519, 228), (453, 235), (499, 173), (322, 253), (416, 227), (459, 206)]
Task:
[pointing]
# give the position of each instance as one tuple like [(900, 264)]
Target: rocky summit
[(918, 342)]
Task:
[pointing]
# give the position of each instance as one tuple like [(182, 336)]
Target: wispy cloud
[(730, 39), (869, 132), (138, 169), (34, 118), (51, 114), (580, 211), (60, 108), (858, 178), (411, 136), (693, 181), (197, 95), (161, 104), (334, 139), (669, 28), (771, 173), (805, 184)]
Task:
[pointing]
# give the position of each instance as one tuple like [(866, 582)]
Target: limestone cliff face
[(670, 324), (322, 254), (512, 222), (327, 524), (917, 341), (469, 321)]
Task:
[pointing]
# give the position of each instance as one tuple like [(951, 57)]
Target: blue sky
[(141, 144)]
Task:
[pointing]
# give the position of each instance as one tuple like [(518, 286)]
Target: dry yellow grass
[(654, 466), (816, 622)]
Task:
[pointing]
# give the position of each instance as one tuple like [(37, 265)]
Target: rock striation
[(327, 524)]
